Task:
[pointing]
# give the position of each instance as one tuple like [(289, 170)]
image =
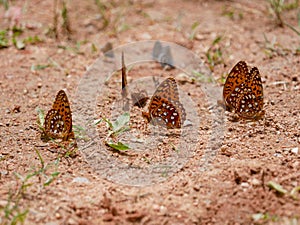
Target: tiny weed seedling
[(222, 79), (294, 192), (3, 39), (60, 12), (66, 26), (38, 67), (104, 12), (214, 54), (281, 191), (5, 3), (278, 6), (116, 128), (118, 146), (40, 119), (41, 172), (201, 77), (277, 187), (13, 212), (75, 49), (264, 217), (32, 40), (94, 48), (194, 30), (19, 44), (272, 47), (232, 13)]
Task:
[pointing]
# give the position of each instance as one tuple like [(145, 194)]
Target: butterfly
[(139, 98), (243, 91), (163, 55), (165, 108), (58, 121), (124, 78)]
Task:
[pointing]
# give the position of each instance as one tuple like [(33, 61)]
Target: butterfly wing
[(54, 124), (124, 78), (156, 50), (234, 84), (58, 121), (139, 98), (165, 107), (250, 104), (168, 90), (164, 113)]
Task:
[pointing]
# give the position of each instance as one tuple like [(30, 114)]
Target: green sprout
[(116, 128), (214, 54)]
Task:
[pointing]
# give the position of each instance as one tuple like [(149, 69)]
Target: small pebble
[(80, 180), (244, 185), (295, 150)]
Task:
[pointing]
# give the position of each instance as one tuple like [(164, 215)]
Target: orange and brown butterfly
[(243, 92), (58, 121), (165, 108)]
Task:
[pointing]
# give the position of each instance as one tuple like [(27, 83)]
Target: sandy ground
[(225, 173)]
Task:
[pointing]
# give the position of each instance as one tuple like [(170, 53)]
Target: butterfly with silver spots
[(165, 108), (58, 121), (243, 91)]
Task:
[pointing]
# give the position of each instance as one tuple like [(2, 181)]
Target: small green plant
[(13, 212), (79, 132), (116, 128), (94, 48), (118, 146), (280, 190), (272, 47), (231, 13), (103, 10), (277, 187), (66, 26), (202, 77), (41, 118), (119, 24), (32, 40), (5, 3), (37, 67), (75, 48), (19, 44), (294, 192), (60, 11), (223, 77), (278, 6), (214, 54), (3, 39), (265, 217), (194, 30)]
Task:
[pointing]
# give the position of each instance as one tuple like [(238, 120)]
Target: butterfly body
[(58, 121), (165, 108), (243, 91)]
